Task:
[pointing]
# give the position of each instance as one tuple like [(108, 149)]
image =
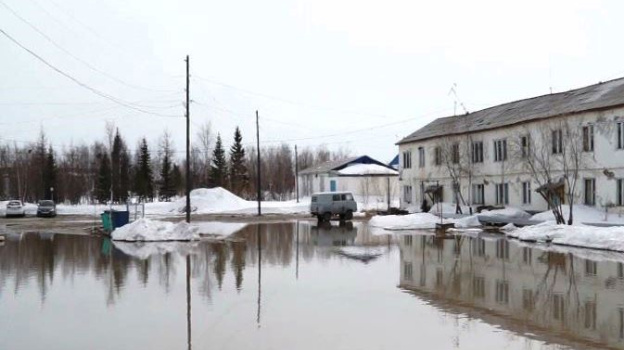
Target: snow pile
[(153, 230), (367, 169), (419, 221), (210, 200), (583, 214), (447, 208), (608, 238), (364, 254), (144, 250), (509, 212)]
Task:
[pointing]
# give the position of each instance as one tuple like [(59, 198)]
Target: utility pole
[(188, 146), (258, 165), (297, 174)]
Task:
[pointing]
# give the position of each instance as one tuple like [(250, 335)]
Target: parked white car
[(15, 208)]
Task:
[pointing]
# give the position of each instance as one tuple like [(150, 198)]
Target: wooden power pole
[(296, 174), (188, 146), (258, 165)]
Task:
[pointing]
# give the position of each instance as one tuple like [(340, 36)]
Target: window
[(620, 268), (590, 191), (477, 194), (588, 138), (502, 249), (527, 255), (620, 135), (407, 160), (621, 319), (455, 153), (408, 270), (478, 287), (590, 315), (500, 150), (407, 194), (620, 192), (557, 141), (558, 307), (437, 155), (591, 268), (421, 157), (408, 240), (478, 247), (502, 193), (477, 152), (528, 300), (502, 292), (439, 282), (525, 146), (526, 192), (336, 198)]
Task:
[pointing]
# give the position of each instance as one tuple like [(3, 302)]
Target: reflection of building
[(522, 288)]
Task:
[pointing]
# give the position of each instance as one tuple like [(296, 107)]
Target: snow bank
[(419, 221), (210, 200), (508, 212), (213, 228), (153, 230), (144, 250), (367, 169), (608, 238), (583, 214), (447, 208)]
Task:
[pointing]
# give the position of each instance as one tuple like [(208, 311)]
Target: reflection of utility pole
[(188, 301), (188, 146), (258, 167), (297, 254), (259, 237)]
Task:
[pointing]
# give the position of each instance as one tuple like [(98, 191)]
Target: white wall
[(605, 156)]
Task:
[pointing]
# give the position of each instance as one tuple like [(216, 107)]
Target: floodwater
[(290, 286)]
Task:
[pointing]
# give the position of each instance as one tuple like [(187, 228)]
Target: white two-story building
[(530, 153)]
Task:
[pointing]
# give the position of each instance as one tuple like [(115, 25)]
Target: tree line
[(110, 170)]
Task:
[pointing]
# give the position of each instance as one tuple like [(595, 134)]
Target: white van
[(325, 205)]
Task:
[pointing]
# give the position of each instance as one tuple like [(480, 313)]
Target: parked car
[(15, 208), (328, 204), (46, 208)]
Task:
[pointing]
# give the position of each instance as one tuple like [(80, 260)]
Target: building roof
[(334, 166), (594, 97)]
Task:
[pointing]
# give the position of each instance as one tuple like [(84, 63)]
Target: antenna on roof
[(457, 100)]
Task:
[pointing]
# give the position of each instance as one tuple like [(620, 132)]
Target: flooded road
[(299, 286)]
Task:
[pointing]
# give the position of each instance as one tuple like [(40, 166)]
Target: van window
[(349, 197), (314, 198), (336, 197)]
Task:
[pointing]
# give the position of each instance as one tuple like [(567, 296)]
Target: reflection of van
[(327, 204)]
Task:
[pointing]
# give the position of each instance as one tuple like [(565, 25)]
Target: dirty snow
[(508, 212), (585, 214), (154, 230), (367, 169), (447, 208), (608, 238), (419, 221)]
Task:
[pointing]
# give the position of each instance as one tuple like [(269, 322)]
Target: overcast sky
[(352, 74)]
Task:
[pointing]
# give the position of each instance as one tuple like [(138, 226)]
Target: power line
[(281, 99), (85, 63), (93, 90)]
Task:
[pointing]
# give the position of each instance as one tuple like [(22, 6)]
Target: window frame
[(525, 146), (557, 141), (477, 152), (455, 153), (407, 159), (502, 193), (500, 150), (588, 138), (421, 157), (619, 142), (526, 192), (589, 193), (480, 190)]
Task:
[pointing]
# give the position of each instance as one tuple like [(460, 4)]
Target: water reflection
[(555, 294)]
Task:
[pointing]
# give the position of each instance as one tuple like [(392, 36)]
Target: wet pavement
[(294, 286)]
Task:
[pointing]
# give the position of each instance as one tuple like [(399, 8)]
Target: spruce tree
[(119, 170), (177, 180), (102, 191), (144, 179), (49, 176), (239, 178), (166, 187), (218, 168)]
